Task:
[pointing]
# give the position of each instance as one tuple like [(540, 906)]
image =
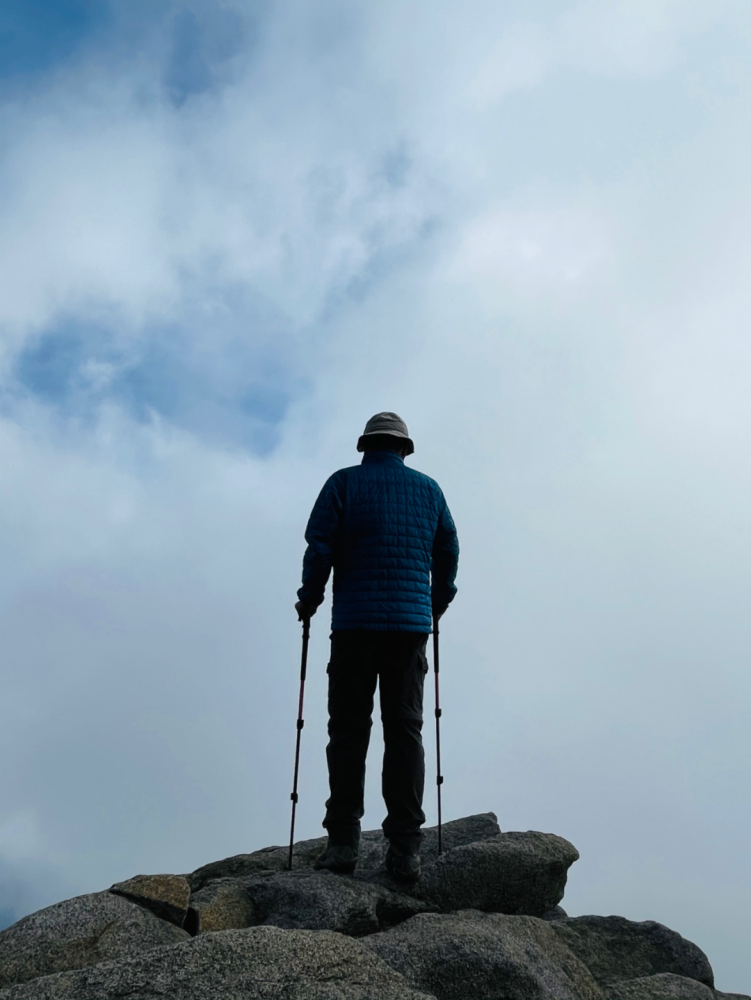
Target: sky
[(230, 232)]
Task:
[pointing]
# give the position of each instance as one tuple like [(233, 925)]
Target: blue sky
[(38, 38), (35, 37), (233, 398), (229, 233)]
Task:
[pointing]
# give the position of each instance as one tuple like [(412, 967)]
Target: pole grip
[(305, 641)]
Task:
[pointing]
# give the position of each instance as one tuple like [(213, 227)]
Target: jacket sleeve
[(444, 562), (321, 537)]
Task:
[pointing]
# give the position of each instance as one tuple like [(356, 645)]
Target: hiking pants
[(396, 660)]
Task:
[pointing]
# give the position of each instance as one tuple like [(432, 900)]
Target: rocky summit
[(483, 922)]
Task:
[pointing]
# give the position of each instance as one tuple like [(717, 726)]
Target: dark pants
[(397, 660)]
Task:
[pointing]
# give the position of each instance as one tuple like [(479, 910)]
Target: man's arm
[(319, 555), (444, 563)]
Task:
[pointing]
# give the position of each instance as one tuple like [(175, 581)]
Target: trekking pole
[(300, 724), (439, 776)]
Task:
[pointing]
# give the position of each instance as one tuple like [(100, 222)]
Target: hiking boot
[(404, 867), (337, 858)]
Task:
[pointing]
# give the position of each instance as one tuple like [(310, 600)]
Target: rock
[(480, 956), (304, 901), (267, 859), (482, 923), (324, 901), (260, 963), (514, 873), (222, 905), (664, 986), (165, 895), (457, 833), (80, 932), (614, 949), (373, 848)]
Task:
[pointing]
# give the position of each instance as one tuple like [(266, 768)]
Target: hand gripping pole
[(300, 724), (439, 776)]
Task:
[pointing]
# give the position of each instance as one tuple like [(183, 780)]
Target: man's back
[(384, 528)]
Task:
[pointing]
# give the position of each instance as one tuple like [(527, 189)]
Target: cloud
[(228, 237)]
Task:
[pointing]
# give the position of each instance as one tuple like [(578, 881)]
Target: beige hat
[(386, 423)]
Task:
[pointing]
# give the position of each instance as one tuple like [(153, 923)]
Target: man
[(388, 534)]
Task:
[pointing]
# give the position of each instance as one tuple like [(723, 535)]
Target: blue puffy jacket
[(388, 534)]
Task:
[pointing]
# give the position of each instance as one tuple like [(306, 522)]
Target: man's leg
[(352, 680), (403, 666)]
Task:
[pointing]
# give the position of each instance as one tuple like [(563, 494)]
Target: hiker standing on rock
[(386, 531)]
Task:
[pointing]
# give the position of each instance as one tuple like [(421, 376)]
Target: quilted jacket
[(388, 534)]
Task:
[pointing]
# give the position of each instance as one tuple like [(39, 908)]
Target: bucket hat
[(386, 423)]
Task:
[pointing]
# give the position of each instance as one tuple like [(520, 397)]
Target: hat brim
[(407, 441)]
